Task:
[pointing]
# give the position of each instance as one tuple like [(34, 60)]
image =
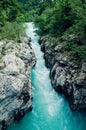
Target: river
[(50, 109)]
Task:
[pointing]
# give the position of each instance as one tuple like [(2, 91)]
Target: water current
[(50, 109)]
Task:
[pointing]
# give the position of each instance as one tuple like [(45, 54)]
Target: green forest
[(11, 19), (61, 21)]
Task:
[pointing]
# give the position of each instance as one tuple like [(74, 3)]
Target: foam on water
[(50, 110)]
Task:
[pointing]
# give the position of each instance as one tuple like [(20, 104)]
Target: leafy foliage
[(65, 18), (12, 31), (57, 19), (11, 19)]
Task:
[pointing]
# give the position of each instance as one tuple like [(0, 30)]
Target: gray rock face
[(15, 81), (66, 77)]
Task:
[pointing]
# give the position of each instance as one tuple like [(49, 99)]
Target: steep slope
[(66, 77), (17, 60)]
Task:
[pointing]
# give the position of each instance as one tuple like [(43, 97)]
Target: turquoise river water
[(50, 109)]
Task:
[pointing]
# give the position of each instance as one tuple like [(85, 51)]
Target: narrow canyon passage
[(50, 110)]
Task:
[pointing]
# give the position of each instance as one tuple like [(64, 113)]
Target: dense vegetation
[(11, 19), (65, 20), (57, 19)]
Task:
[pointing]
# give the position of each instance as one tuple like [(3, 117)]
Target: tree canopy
[(63, 19), (57, 19), (11, 17)]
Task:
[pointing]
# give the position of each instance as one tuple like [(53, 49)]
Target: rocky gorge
[(16, 62), (67, 77)]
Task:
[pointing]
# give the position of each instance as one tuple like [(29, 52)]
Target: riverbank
[(16, 62), (66, 77), (50, 109)]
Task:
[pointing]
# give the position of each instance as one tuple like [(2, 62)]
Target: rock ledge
[(16, 62), (66, 77)]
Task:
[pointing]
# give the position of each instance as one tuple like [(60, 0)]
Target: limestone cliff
[(66, 77), (16, 62)]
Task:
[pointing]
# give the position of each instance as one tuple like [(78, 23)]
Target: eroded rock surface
[(66, 77), (16, 62)]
